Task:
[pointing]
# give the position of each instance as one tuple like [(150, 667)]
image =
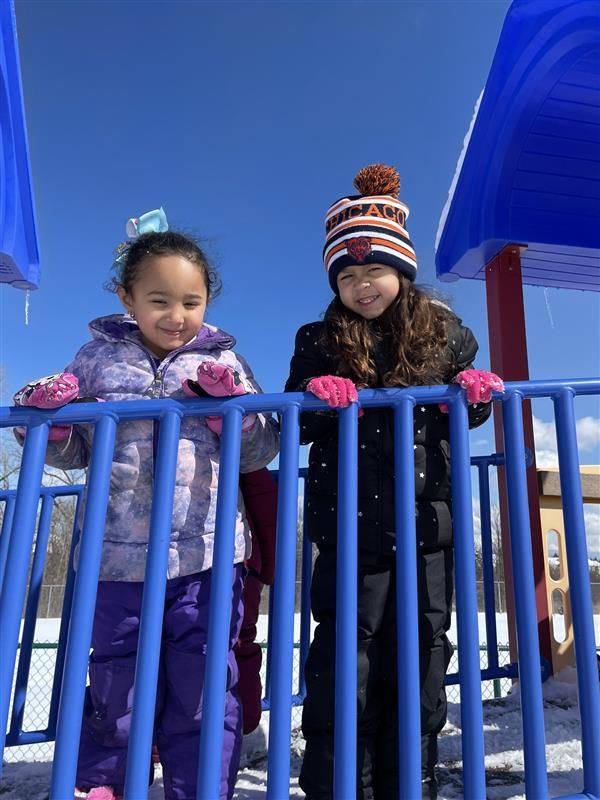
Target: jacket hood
[(121, 327)]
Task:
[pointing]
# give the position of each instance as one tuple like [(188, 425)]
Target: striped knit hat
[(368, 228)]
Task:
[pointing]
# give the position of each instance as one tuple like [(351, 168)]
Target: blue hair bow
[(150, 222)]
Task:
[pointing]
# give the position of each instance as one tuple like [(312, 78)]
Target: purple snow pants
[(107, 712)]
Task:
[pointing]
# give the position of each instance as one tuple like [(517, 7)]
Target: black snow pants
[(377, 700)]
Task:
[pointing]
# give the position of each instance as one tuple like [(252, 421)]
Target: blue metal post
[(84, 600), (65, 620), (33, 597), (282, 643), (305, 616), (471, 712), (409, 707), (213, 709), (7, 520), (580, 590), (17, 565), (267, 699), (487, 556), (346, 599), (536, 780), (153, 605), (266, 703)]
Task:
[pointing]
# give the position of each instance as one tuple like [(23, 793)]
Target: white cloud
[(588, 432), (588, 438), (591, 516)]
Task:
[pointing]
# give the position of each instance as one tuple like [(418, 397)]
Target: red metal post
[(508, 356)]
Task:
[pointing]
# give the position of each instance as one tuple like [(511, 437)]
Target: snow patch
[(459, 164), (504, 762)]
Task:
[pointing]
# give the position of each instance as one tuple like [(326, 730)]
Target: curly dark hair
[(130, 257), (413, 332)]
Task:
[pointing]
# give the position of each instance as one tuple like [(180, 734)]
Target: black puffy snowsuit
[(377, 743)]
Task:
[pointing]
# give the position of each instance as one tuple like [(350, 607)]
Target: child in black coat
[(380, 330)]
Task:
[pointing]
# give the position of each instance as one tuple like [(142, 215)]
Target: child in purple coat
[(161, 347)]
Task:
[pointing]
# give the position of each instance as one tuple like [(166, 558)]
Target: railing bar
[(579, 589), (344, 744), (471, 711), (82, 612), (28, 632), (305, 616), (408, 682), (7, 520), (17, 564), (138, 409), (219, 618), (284, 589), (536, 780), (152, 612), (487, 557), (65, 616)]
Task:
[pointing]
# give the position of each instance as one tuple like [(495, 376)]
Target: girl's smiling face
[(368, 289), (168, 300)]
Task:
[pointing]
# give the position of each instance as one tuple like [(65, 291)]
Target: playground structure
[(19, 255), (554, 539), (524, 208), (505, 241)]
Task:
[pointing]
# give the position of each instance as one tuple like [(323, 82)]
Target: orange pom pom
[(378, 179)]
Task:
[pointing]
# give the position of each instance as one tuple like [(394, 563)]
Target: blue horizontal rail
[(23, 507)]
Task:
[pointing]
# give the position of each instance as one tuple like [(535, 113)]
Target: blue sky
[(245, 121)]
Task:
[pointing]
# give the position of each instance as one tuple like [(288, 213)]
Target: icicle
[(547, 299), (26, 306)]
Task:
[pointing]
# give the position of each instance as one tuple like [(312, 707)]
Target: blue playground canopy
[(19, 255), (530, 172)]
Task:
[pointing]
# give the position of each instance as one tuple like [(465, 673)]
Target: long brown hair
[(412, 333)]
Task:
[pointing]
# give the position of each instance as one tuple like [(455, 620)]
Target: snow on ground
[(46, 630), (503, 746), (29, 777)]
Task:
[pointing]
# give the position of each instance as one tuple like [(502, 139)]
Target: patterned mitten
[(48, 393), (478, 385), (219, 380), (51, 392), (336, 392)]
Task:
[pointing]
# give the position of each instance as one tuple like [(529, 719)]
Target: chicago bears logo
[(359, 249)]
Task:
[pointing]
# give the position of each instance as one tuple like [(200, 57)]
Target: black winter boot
[(429, 789), (429, 756)]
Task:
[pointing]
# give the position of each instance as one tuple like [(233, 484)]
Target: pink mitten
[(337, 392), (478, 385), (51, 392), (219, 380), (47, 393)]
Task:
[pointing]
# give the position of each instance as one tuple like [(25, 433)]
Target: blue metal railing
[(169, 413), (48, 494)]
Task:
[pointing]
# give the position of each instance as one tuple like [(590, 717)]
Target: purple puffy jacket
[(115, 365)]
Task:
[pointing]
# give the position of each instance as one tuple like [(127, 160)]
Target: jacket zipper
[(154, 392)]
